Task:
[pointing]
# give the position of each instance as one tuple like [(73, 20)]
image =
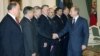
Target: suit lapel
[(18, 25), (76, 24)]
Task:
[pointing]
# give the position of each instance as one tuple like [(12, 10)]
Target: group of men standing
[(43, 31)]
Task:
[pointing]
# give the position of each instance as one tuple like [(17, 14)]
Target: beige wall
[(3, 10), (51, 3)]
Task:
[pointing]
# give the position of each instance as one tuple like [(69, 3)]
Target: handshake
[(55, 36)]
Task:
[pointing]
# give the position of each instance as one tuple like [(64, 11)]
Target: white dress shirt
[(15, 20), (76, 18), (12, 16)]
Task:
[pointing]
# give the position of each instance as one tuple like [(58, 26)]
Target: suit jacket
[(45, 27), (78, 36), (59, 24), (29, 36), (64, 18), (12, 41), (35, 32)]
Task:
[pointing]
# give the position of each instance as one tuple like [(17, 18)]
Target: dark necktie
[(73, 22), (49, 20), (17, 21)]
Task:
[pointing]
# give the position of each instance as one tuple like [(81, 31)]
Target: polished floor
[(92, 51)]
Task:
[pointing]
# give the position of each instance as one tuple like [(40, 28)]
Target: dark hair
[(26, 9), (12, 5), (44, 6), (57, 9), (65, 8)]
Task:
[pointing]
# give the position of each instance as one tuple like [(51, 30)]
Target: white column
[(82, 6), (3, 8), (98, 11)]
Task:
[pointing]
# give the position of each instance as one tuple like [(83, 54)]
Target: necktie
[(73, 22), (17, 20), (49, 20)]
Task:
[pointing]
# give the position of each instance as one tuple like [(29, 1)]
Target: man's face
[(45, 10), (38, 13), (51, 12), (17, 10), (59, 12), (66, 11), (30, 14), (73, 12)]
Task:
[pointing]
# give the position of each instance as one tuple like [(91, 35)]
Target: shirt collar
[(59, 16), (28, 18), (36, 17), (12, 16), (76, 18), (45, 15)]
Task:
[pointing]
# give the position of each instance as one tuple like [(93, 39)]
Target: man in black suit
[(58, 20), (12, 41), (28, 32), (44, 25), (59, 24), (65, 38), (37, 14), (65, 15)]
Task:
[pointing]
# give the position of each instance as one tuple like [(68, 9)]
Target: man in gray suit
[(27, 29)]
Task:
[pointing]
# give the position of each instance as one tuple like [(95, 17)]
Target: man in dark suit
[(37, 14), (28, 32), (58, 20), (65, 38), (59, 24), (65, 15), (45, 36), (11, 33), (78, 32)]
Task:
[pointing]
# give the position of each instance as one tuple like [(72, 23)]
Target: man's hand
[(45, 45), (83, 47), (34, 54), (55, 36)]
